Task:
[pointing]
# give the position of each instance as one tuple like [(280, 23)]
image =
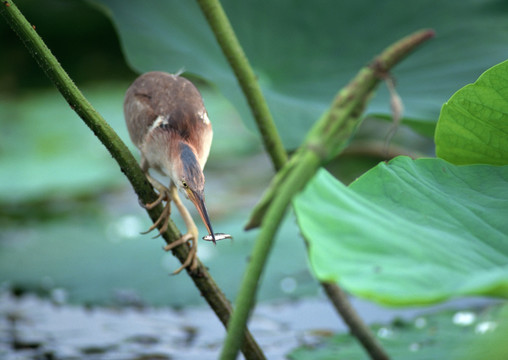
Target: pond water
[(35, 328)]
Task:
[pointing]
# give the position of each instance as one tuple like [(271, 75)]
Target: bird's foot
[(165, 195), (192, 261)]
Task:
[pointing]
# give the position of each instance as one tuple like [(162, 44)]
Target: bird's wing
[(139, 114)]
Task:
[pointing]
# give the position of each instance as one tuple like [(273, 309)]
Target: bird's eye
[(184, 184)]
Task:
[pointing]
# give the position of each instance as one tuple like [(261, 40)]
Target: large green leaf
[(74, 252), (473, 125), (46, 150), (410, 232), (304, 51)]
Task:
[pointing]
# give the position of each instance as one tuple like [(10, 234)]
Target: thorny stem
[(235, 55), (128, 165)]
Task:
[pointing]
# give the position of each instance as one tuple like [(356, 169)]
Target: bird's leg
[(164, 195), (191, 235)]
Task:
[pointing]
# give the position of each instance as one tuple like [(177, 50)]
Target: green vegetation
[(406, 232)]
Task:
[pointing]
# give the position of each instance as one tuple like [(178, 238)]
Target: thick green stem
[(247, 293), (326, 139), (234, 53), (38, 49), (331, 133)]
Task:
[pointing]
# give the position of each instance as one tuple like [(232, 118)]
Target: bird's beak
[(199, 203)]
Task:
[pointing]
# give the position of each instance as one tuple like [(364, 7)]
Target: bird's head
[(190, 181)]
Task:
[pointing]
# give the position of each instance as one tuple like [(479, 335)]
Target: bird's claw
[(164, 216), (192, 260), (163, 196)]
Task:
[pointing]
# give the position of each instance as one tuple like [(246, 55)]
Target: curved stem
[(235, 55), (326, 139), (128, 165), (247, 293)]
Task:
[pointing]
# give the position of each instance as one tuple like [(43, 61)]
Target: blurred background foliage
[(69, 218), (303, 52)]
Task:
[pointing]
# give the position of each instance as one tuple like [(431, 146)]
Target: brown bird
[(168, 123)]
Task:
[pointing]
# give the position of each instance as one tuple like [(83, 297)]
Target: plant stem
[(262, 246), (358, 328), (325, 140), (331, 133), (235, 55), (128, 165)]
